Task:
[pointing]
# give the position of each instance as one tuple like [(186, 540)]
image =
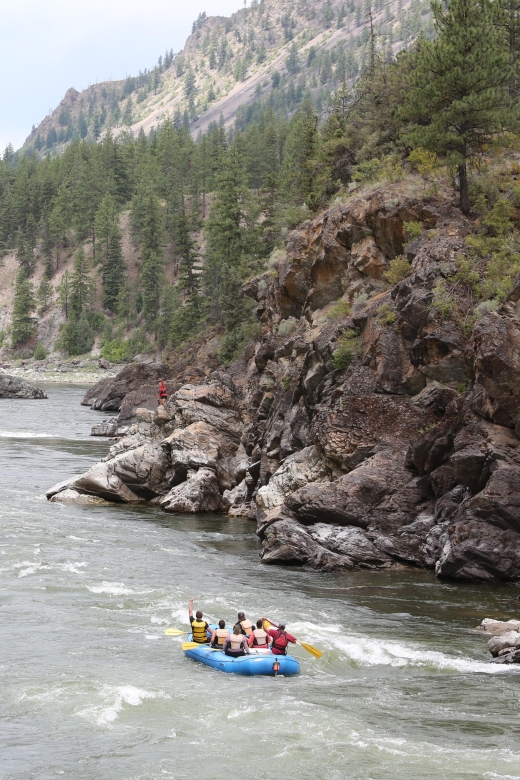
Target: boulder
[(499, 627), (509, 658), (296, 471), (105, 428), (199, 493), (15, 387), (288, 542), (70, 496), (351, 542), (498, 645)]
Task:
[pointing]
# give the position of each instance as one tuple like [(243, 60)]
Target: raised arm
[(190, 608)]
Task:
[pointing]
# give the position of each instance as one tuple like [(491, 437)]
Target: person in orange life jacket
[(236, 646), (259, 637), (162, 396), (245, 626), (199, 627), (219, 635), (280, 639)]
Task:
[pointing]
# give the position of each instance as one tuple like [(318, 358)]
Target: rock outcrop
[(363, 429), (504, 644), (15, 387)]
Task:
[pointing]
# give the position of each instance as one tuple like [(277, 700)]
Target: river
[(92, 689)]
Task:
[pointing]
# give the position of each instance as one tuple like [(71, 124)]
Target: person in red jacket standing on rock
[(280, 639), (162, 395)]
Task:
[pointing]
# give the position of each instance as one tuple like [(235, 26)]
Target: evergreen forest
[(207, 214)]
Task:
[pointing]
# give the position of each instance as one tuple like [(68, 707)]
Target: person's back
[(199, 627), (236, 645), (220, 635), (259, 637), (245, 626), (280, 639)]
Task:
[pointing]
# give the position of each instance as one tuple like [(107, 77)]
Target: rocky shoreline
[(363, 429)]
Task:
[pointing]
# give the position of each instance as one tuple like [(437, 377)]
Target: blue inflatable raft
[(257, 662)]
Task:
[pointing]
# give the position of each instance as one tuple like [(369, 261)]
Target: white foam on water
[(371, 652), (26, 435), (115, 699), (494, 776), (112, 588)]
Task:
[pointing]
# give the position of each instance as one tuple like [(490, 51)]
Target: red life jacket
[(162, 391), (280, 643)]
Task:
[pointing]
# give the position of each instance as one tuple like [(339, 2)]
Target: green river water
[(91, 689)]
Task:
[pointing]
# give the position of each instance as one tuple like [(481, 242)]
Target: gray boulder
[(15, 387)]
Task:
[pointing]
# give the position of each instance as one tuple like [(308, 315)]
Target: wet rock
[(510, 658), (70, 496), (15, 387), (499, 645)]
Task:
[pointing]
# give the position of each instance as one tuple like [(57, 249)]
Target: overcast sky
[(47, 46)]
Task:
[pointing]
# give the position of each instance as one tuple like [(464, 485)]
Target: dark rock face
[(15, 387), (408, 455)]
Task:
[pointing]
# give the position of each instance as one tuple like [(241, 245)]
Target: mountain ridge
[(271, 51)]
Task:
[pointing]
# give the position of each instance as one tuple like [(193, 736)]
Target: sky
[(47, 46)]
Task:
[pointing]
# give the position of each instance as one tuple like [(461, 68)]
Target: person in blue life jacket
[(199, 627)]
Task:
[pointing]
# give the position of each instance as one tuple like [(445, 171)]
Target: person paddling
[(220, 635), (259, 637), (199, 627), (245, 626), (236, 646), (280, 639), (162, 395)]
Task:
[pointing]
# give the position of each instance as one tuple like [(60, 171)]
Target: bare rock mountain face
[(362, 430)]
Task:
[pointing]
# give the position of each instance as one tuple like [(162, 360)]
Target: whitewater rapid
[(92, 689)]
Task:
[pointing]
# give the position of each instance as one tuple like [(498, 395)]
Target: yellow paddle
[(175, 632), (310, 649), (193, 645)]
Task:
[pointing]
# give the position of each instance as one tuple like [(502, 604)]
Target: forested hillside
[(205, 215), (273, 53)]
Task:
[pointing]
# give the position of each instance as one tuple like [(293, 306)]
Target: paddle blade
[(310, 649), (174, 632), (191, 645)]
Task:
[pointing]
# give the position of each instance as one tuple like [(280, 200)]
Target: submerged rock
[(15, 387)]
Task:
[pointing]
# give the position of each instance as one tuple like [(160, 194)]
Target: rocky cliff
[(365, 428)]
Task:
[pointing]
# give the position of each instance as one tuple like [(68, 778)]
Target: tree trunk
[(463, 188)]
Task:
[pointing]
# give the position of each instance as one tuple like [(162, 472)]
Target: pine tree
[(300, 149), (292, 62), (458, 93), (109, 251), (226, 245), (510, 19), (151, 283), (46, 246), (25, 256), (23, 326), (80, 285), (44, 295), (64, 293)]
